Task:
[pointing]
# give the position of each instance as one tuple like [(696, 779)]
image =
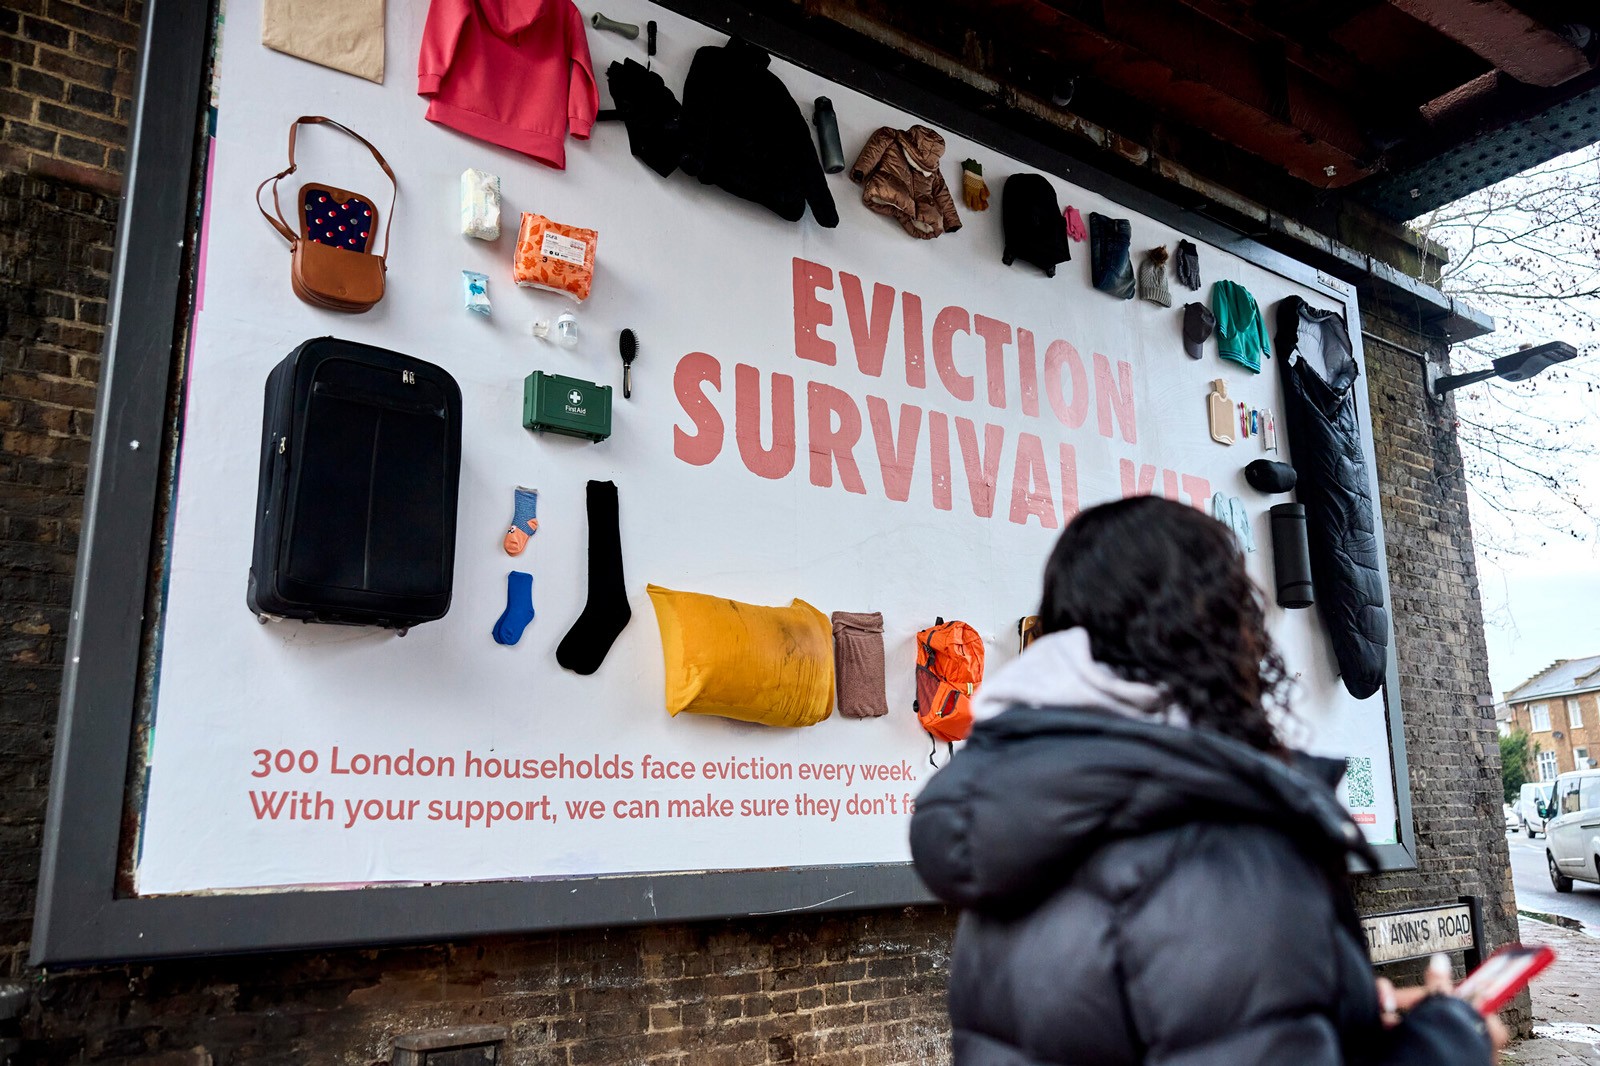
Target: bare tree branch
[(1527, 251)]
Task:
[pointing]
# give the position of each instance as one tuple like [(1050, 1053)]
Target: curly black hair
[(1162, 590)]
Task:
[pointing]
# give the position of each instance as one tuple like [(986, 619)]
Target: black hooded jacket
[(743, 131), (1138, 893), (1319, 378)]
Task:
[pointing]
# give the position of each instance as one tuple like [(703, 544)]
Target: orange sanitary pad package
[(555, 257)]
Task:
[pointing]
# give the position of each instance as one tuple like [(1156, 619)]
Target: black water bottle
[(827, 124), (1291, 555)]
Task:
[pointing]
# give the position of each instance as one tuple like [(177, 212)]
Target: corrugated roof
[(1558, 679)]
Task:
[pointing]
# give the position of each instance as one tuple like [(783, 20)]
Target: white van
[(1528, 801), (1572, 830)]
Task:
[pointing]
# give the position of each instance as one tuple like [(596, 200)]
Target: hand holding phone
[(1502, 975)]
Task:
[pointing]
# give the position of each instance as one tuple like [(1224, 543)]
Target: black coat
[(1137, 893), (1319, 413), (743, 131)]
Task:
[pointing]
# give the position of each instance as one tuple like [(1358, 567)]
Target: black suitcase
[(356, 503)]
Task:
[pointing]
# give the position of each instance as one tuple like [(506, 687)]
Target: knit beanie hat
[(1153, 277)]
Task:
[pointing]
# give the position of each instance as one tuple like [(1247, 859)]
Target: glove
[(1075, 228), (1188, 265), (973, 188)]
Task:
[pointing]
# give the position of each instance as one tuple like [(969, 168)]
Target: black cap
[(1198, 325), (1269, 477)]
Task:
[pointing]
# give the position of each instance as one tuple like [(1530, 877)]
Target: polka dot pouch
[(337, 218)]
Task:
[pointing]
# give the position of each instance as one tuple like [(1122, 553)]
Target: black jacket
[(743, 131), (1319, 411), (1138, 893)]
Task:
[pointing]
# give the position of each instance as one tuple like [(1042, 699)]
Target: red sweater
[(512, 72)]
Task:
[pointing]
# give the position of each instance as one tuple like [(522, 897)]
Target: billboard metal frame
[(81, 916)]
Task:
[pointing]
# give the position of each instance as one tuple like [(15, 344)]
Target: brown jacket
[(899, 174)]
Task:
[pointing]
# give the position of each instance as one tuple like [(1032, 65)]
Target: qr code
[(1358, 778)]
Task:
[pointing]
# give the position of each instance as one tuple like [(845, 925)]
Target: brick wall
[(862, 989), (817, 990), (65, 76), (1452, 744)]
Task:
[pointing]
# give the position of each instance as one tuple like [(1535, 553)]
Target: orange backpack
[(949, 668)]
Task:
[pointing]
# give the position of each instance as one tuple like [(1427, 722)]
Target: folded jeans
[(1110, 257)]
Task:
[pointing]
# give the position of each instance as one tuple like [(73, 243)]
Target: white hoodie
[(1059, 670)]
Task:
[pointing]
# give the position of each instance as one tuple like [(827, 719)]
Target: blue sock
[(519, 608)]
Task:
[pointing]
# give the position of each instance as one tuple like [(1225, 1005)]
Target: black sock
[(606, 614)]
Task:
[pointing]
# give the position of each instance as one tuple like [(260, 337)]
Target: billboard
[(846, 416)]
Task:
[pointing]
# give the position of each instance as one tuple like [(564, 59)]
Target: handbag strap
[(281, 224)]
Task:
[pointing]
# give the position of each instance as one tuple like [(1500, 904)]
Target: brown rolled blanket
[(858, 664)]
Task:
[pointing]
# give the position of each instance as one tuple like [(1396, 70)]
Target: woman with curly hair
[(1147, 874)]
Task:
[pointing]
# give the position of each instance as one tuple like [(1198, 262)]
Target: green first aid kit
[(574, 408)]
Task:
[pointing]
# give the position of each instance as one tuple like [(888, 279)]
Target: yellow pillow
[(769, 665)]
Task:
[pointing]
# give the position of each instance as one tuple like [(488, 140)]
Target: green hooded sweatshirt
[(1241, 332)]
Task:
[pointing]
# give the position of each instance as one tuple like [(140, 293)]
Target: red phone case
[(1504, 974)]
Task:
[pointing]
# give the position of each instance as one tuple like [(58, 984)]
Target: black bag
[(1036, 231), (356, 504)]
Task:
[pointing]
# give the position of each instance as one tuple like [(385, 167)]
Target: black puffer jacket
[(1333, 483), (1138, 893), (743, 131)]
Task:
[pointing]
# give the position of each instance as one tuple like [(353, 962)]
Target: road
[(1534, 891)]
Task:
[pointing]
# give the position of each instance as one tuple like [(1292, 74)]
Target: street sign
[(1403, 935)]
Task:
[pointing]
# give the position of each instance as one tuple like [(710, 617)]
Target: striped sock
[(523, 523)]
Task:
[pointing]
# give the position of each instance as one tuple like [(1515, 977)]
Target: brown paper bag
[(345, 35)]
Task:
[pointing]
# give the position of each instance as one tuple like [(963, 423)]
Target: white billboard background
[(691, 270)]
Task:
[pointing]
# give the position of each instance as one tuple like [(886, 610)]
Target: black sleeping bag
[(1334, 485)]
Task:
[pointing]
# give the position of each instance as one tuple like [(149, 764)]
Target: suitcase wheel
[(402, 631)]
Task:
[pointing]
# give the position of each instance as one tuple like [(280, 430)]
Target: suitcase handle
[(344, 392)]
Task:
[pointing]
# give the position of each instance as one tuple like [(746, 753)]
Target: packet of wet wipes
[(475, 291), (480, 204)]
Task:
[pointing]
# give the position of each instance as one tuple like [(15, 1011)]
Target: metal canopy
[(1481, 160)]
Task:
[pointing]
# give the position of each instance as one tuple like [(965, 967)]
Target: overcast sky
[(1539, 610)]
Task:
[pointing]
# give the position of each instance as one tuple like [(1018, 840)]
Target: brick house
[(1559, 709)]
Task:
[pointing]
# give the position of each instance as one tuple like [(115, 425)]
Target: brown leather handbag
[(332, 264)]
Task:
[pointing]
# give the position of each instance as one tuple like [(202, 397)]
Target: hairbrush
[(628, 344)]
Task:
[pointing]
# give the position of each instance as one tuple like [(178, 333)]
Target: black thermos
[(828, 135), (1291, 557)]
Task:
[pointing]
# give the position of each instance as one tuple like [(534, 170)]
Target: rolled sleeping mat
[(1291, 555)]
